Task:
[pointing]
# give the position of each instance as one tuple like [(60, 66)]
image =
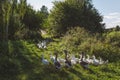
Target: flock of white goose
[(42, 44), (69, 61)]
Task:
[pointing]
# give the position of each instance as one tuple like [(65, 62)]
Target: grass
[(25, 64)]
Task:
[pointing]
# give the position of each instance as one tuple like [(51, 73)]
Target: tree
[(16, 17), (71, 13), (117, 28), (33, 22), (113, 38), (44, 10), (10, 22), (5, 8), (12, 13), (44, 13), (1, 20)]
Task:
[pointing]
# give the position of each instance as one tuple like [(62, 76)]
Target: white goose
[(62, 61), (83, 61), (95, 61), (52, 58), (74, 60), (44, 61), (102, 62), (80, 58), (43, 44), (39, 45), (88, 60)]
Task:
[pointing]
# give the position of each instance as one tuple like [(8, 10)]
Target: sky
[(109, 9)]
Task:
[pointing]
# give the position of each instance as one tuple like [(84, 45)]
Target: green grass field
[(25, 64)]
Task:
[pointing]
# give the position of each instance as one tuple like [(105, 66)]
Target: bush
[(28, 35), (113, 38), (78, 39), (74, 37)]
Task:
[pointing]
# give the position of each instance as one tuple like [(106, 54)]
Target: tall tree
[(33, 22), (44, 10), (6, 11), (117, 28), (16, 17), (10, 19), (12, 13), (44, 13), (5, 8), (71, 13)]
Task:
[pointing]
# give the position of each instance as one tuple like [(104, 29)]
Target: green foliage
[(21, 59), (78, 39), (117, 28), (24, 63), (18, 17), (44, 11), (31, 20), (74, 37), (71, 13), (11, 17), (5, 8), (113, 38)]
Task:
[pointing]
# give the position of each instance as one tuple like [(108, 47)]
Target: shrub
[(78, 39), (74, 37), (113, 38)]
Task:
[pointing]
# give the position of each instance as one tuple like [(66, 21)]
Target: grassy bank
[(25, 64)]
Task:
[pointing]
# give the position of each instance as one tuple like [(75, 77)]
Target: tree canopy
[(20, 21), (71, 13)]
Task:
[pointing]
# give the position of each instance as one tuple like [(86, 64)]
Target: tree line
[(72, 13), (19, 20)]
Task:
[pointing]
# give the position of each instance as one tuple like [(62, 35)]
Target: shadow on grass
[(24, 64), (7, 67), (20, 61)]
